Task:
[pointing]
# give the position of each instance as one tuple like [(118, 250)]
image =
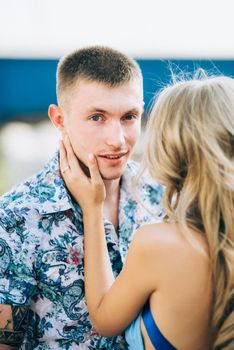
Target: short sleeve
[(17, 276)]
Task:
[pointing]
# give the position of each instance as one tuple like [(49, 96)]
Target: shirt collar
[(53, 196), (126, 179)]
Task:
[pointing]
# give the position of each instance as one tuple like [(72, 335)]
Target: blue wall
[(27, 86)]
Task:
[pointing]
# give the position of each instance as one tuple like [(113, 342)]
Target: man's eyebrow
[(96, 109), (133, 110), (100, 110)]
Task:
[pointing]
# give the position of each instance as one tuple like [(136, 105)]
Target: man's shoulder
[(23, 192), (27, 192), (44, 192)]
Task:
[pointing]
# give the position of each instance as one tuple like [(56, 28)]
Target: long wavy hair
[(190, 149)]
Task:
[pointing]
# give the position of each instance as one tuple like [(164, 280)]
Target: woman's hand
[(88, 192)]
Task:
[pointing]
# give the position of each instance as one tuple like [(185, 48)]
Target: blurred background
[(160, 34)]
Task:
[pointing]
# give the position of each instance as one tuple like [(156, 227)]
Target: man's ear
[(56, 116)]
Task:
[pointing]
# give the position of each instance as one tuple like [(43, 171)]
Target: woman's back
[(182, 301)]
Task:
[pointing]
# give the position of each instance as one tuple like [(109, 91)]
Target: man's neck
[(111, 204), (112, 188)]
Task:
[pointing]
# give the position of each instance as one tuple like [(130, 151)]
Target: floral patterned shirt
[(41, 256)]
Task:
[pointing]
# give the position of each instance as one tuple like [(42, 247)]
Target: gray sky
[(146, 28)]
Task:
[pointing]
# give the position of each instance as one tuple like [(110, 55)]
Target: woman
[(178, 279)]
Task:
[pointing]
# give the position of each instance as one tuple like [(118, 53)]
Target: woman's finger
[(71, 157), (63, 161), (93, 169), (99, 192), (70, 153)]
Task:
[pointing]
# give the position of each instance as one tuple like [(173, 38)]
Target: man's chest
[(59, 302), (60, 258)]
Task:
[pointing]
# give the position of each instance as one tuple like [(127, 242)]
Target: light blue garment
[(157, 338), (133, 335)]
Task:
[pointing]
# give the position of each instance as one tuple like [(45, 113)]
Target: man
[(100, 103)]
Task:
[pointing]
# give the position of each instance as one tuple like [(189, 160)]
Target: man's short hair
[(96, 63)]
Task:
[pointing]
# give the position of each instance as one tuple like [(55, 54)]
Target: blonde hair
[(190, 150)]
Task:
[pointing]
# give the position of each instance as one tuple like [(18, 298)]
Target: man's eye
[(129, 117), (96, 118)]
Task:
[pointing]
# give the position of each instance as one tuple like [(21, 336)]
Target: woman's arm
[(112, 304)]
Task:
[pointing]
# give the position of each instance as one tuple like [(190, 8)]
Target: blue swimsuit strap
[(156, 337)]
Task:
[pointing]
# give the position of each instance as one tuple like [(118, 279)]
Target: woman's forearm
[(98, 271)]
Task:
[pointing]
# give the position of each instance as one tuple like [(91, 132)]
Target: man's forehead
[(96, 95), (82, 83)]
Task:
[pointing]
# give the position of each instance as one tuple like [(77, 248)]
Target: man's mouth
[(113, 155)]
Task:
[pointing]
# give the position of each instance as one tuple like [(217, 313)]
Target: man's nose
[(115, 135)]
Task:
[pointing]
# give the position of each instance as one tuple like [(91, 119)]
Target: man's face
[(104, 121)]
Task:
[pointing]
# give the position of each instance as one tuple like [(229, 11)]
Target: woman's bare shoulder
[(165, 251), (155, 242), (160, 233), (164, 241)]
